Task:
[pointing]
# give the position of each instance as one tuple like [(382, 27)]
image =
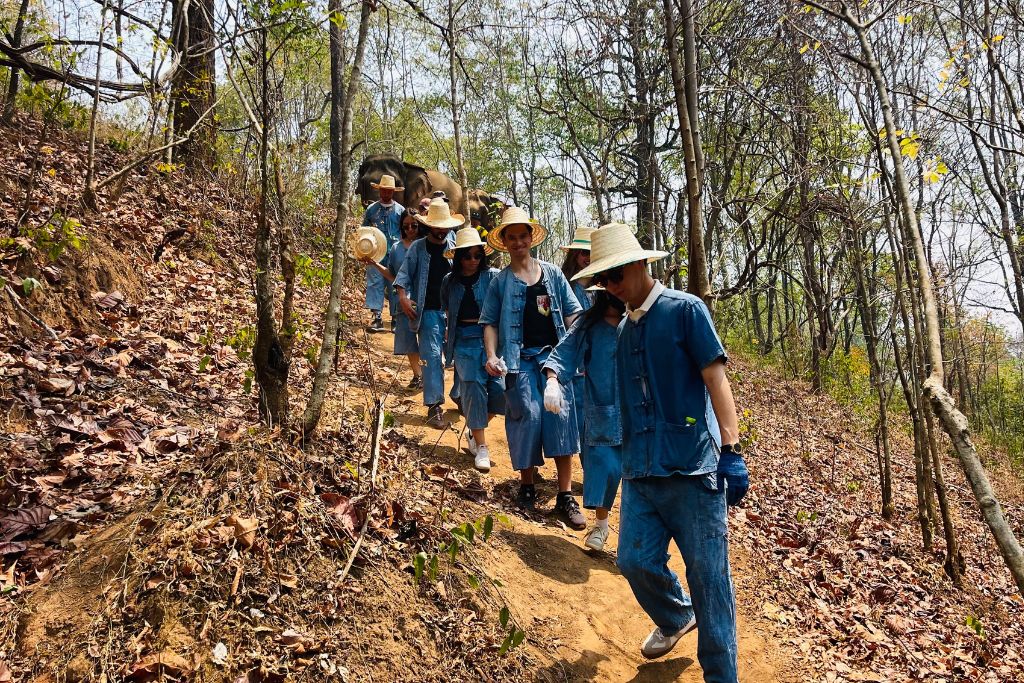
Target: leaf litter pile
[(855, 595), (148, 529)]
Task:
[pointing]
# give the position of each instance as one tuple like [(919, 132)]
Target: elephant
[(486, 207), (417, 181)]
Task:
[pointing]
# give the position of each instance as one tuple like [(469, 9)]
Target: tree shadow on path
[(586, 669)]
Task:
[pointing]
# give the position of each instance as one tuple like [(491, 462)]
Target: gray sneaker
[(658, 644), (435, 417), (569, 509)]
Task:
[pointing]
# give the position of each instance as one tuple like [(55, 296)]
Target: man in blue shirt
[(385, 215), (681, 459)]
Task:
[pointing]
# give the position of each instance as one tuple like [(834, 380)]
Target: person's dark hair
[(571, 264), (421, 230), (602, 300), (482, 265)]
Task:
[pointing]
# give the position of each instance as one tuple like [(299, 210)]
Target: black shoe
[(527, 497), (569, 509), (435, 417), (393, 323), (415, 383), (377, 324)]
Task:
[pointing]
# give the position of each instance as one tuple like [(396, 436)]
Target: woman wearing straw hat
[(405, 338), (577, 257), (480, 395), (590, 345), (419, 297), (677, 408), (528, 307), (385, 215)]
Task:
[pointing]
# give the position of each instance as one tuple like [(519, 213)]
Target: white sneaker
[(596, 538), (471, 443), (658, 644), (482, 459)]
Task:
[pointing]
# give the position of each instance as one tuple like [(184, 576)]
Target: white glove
[(554, 399), (501, 366)]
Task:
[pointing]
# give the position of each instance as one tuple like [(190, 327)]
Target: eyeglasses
[(612, 275), (471, 256)]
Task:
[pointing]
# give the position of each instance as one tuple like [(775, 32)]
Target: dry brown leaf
[(245, 529)]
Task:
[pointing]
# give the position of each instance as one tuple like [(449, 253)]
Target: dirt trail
[(577, 609)]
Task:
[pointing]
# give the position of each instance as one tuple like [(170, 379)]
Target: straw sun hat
[(369, 241), (581, 240), (516, 216), (615, 245), (387, 182), (465, 238), (439, 215)]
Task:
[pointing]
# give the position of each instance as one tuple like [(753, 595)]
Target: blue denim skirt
[(532, 432), (602, 472), (479, 394)]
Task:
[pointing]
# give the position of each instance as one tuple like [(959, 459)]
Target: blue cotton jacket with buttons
[(412, 275), (592, 347), (452, 291), (386, 219), (668, 424), (504, 303)]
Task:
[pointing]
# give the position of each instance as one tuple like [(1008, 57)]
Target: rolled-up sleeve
[(571, 305), (565, 357)]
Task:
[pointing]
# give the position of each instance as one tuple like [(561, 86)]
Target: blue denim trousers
[(430, 340), (602, 470), (691, 511), (479, 394), (376, 289)]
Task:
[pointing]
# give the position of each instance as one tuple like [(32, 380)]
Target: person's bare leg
[(601, 513), (563, 465), (526, 476), (479, 436), (414, 363)]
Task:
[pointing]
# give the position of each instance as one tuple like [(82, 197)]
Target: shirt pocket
[(603, 426)]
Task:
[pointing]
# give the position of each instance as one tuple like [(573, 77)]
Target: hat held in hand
[(515, 215), (368, 242), (387, 182), (439, 215), (615, 245)]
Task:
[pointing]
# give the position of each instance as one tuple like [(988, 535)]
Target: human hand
[(554, 397), (495, 366), (732, 470), (408, 307)]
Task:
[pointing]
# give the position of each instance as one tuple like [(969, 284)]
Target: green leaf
[(204, 363), (518, 638), (503, 617), (474, 582), (29, 285), (433, 568), (505, 644), (453, 549), (488, 526), (418, 563), (247, 382)]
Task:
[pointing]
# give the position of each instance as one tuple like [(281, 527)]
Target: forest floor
[(150, 530)]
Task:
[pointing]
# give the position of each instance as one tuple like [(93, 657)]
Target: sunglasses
[(612, 275), (471, 255)]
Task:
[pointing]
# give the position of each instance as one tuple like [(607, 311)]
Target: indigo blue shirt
[(386, 219), (452, 291), (393, 262), (412, 274), (668, 424), (506, 298), (592, 347)]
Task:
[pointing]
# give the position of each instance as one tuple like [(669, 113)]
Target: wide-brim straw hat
[(581, 240), (439, 215), (466, 238), (387, 182), (514, 215), (369, 241), (615, 245)]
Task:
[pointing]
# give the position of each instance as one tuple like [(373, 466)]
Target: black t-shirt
[(439, 267), (469, 309), (538, 325)]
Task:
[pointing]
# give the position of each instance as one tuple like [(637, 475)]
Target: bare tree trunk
[(89, 195), (684, 85), (453, 75), (342, 197), (193, 92), (15, 74), (953, 421)]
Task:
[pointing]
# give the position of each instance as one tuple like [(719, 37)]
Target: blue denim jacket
[(583, 296), (452, 291), (386, 219), (592, 347), (668, 424), (506, 298), (393, 261), (412, 275)]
